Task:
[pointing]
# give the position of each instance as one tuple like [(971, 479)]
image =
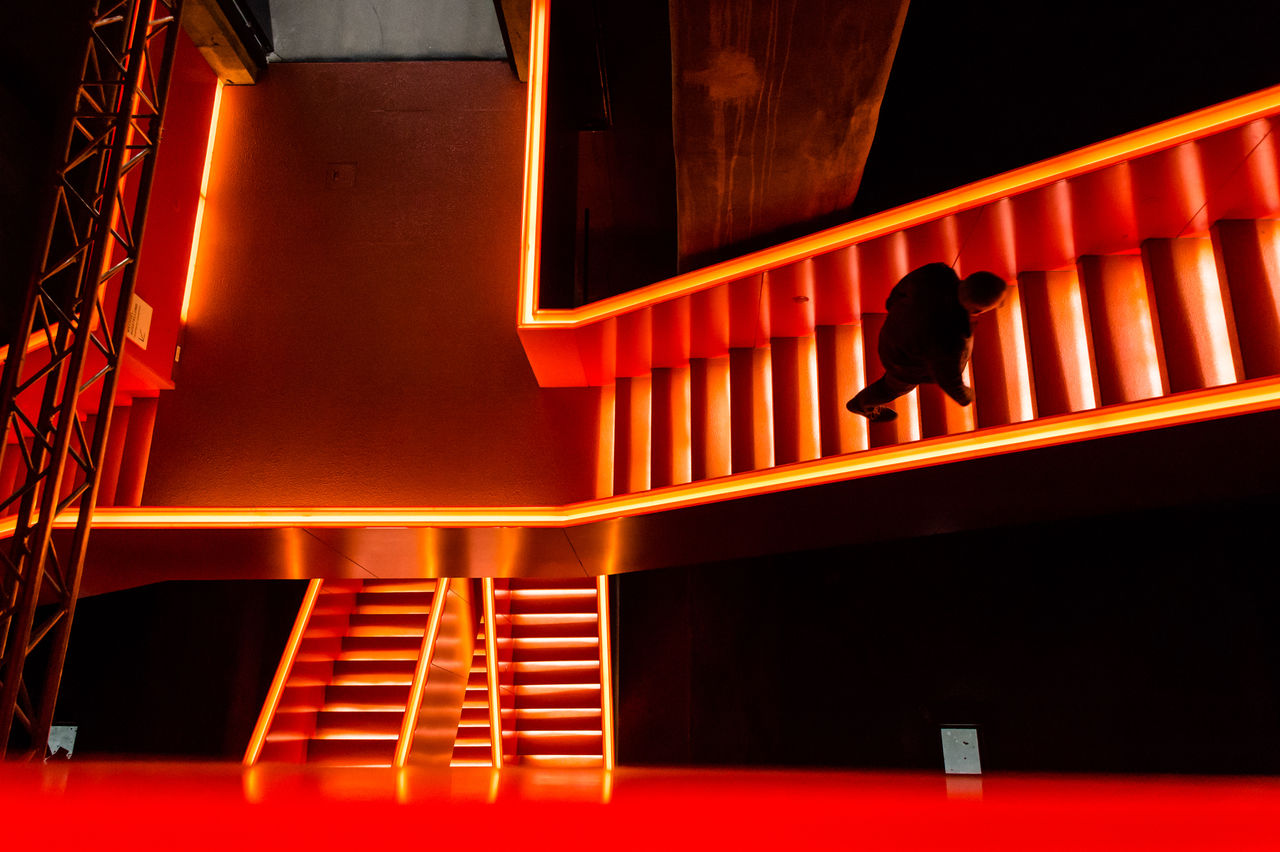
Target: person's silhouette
[(926, 338)]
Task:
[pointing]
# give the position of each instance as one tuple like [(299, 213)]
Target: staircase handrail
[(491, 671), (268, 712), (409, 725)]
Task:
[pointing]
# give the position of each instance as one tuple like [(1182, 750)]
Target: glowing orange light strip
[(36, 340), (606, 670), (491, 672), (1140, 142), (254, 751), (1190, 407), (204, 191), (535, 125), (410, 723)]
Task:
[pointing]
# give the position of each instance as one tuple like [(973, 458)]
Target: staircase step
[(559, 742), (569, 719), (388, 625), (472, 755), (557, 672), (136, 452), (365, 697), (366, 724), (310, 672), (559, 601), (301, 697), (545, 626), (531, 649), (475, 716), (409, 603), (523, 583), (373, 672), (292, 724), (352, 752), (324, 625), (313, 648), (541, 696), (283, 751), (380, 648), (561, 761)]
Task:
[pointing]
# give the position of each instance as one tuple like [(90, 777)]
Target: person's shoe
[(875, 413)]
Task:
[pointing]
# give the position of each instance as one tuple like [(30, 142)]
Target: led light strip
[(254, 751), (535, 126), (204, 191), (1190, 407), (409, 725), (491, 672), (606, 670)]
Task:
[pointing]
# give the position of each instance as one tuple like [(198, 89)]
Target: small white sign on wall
[(960, 751), (138, 326)]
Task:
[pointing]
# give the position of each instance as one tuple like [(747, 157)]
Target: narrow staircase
[(1133, 281), (556, 672), (473, 745), (344, 701), (345, 680)]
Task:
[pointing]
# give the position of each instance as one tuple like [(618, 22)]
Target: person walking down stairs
[(927, 337)]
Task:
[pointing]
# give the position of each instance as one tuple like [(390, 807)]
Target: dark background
[(1138, 642), (981, 88), (176, 669)]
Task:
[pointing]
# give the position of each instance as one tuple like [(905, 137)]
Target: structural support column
[(70, 329)]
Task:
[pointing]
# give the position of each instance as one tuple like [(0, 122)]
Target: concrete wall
[(355, 345)]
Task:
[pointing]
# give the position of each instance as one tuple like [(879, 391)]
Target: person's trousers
[(885, 389)]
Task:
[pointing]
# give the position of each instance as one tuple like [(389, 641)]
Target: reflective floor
[(145, 805)]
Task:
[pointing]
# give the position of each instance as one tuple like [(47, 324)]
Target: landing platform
[(146, 805)]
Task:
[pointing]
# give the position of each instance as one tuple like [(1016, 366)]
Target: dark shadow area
[(176, 669), (1136, 642), (976, 90), (979, 89), (258, 14), (609, 188), (41, 54)]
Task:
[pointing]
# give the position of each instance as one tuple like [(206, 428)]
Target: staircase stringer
[(414, 705), (267, 715)]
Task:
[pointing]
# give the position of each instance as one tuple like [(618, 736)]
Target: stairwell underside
[(1226, 458)]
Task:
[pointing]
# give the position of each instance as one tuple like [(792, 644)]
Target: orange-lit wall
[(356, 346), (171, 212)]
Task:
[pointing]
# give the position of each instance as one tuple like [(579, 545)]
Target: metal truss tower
[(68, 343)]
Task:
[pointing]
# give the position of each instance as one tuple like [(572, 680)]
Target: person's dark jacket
[(927, 336)]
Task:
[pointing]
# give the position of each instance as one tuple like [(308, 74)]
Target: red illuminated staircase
[(473, 745), (1133, 281), (356, 656), (345, 698), (555, 653)]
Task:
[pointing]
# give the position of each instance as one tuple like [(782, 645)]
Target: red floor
[(218, 806)]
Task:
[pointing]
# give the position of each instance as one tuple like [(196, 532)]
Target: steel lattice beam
[(68, 343)]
